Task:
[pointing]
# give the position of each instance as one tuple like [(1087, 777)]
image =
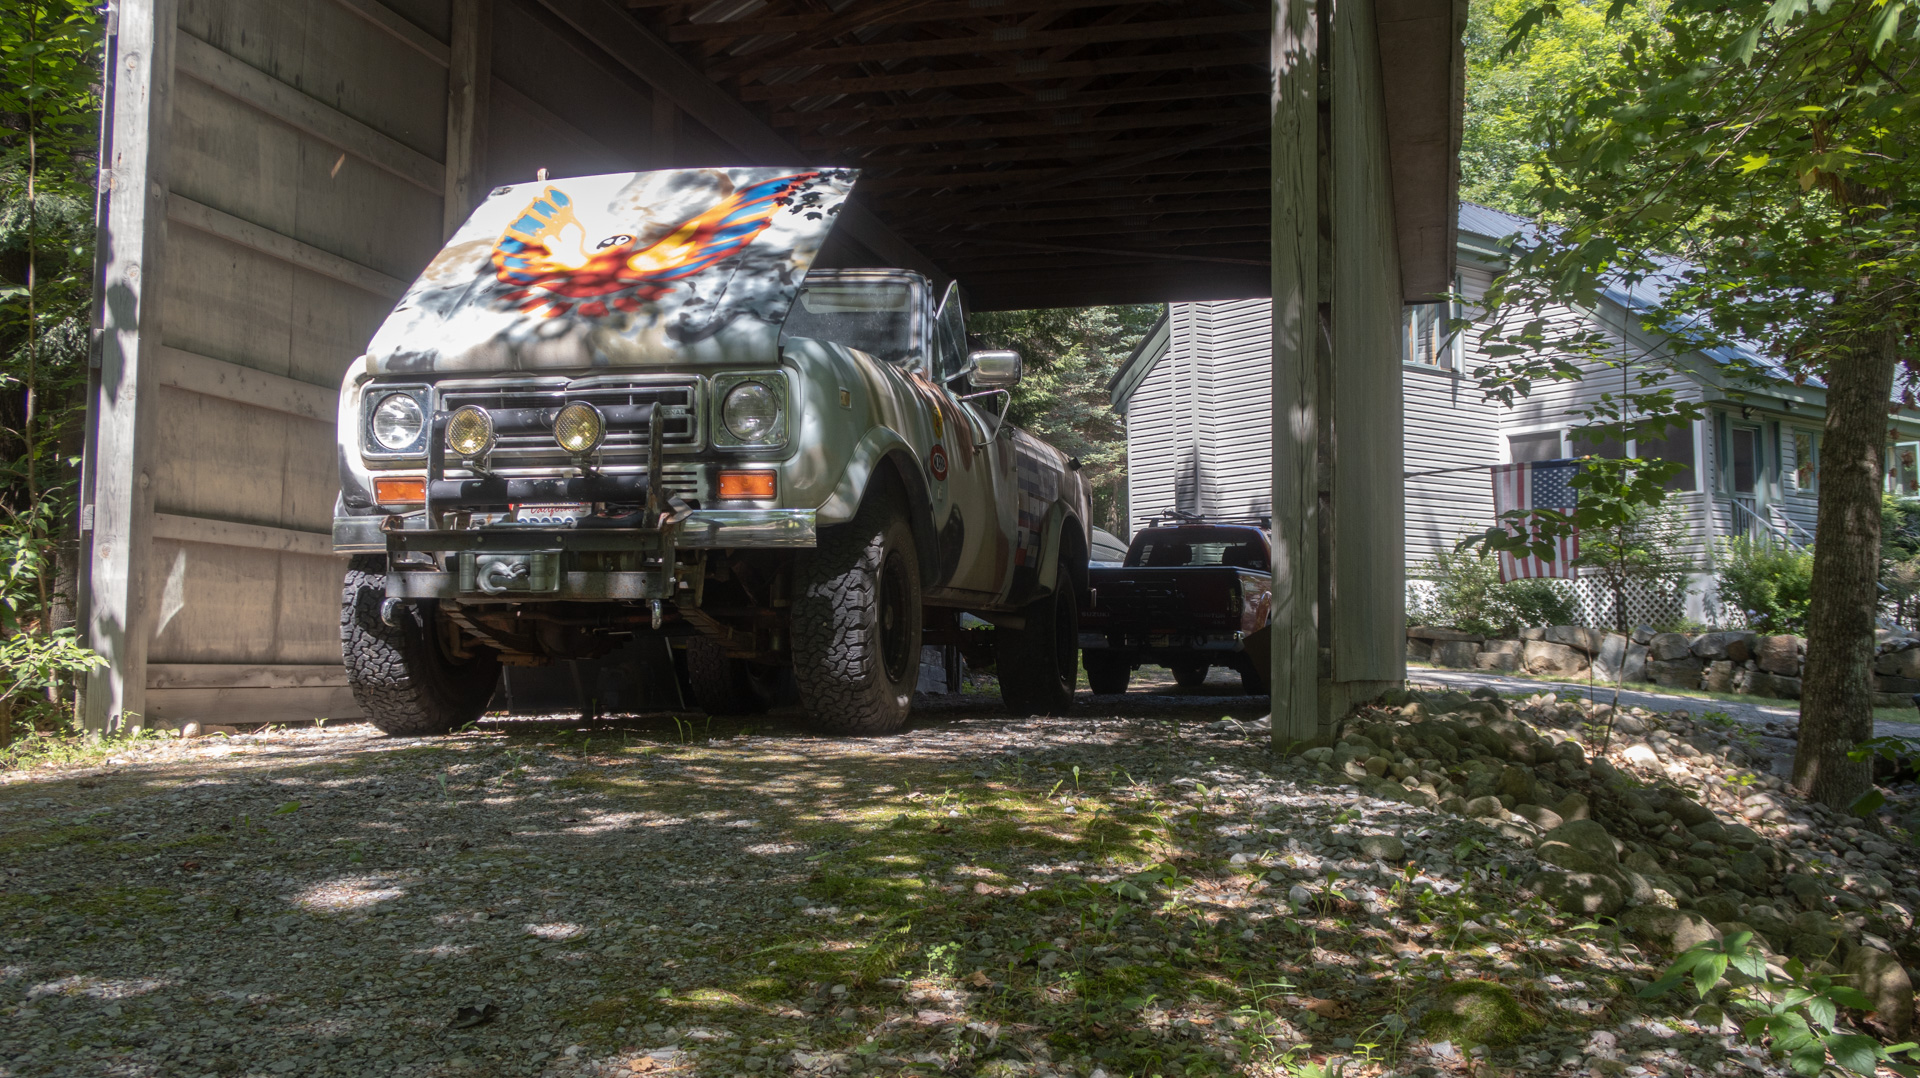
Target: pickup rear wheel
[(1189, 675), (401, 675), (723, 685), (1107, 673), (856, 623), (1040, 663)]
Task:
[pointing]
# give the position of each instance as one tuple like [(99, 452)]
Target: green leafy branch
[(1796, 1017)]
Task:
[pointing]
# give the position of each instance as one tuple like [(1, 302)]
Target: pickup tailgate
[(1132, 602)]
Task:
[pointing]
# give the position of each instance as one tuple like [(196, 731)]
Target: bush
[(1770, 585), (1468, 595)]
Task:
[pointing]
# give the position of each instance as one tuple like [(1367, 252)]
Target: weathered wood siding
[(278, 172)]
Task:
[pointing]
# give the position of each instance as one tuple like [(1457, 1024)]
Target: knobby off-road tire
[(1107, 673), (723, 685), (1040, 663), (401, 677), (1189, 675), (856, 623)]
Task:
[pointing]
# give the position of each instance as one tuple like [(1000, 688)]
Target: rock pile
[(1736, 662), (1669, 824)]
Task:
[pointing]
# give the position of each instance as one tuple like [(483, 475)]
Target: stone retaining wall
[(1737, 662)]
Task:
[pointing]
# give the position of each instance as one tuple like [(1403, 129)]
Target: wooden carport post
[(1297, 154), (117, 524)]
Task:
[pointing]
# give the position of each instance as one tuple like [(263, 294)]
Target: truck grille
[(524, 453)]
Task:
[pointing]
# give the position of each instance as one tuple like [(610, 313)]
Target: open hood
[(637, 268)]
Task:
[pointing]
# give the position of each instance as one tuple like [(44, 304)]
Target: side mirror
[(994, 370)]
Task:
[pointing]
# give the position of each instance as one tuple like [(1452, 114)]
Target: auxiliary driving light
[(579, 428), (470, 431)]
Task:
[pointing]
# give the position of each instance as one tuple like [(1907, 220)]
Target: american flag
[(1544, 484)]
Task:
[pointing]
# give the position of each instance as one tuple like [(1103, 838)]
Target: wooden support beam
[(1062, 126), (469, 79), (246, 675), (185, 211), (1049, 100), (1297, 152), (396, 25), (989, 242), (1076, 173), (870, 183), (1101, 152), (1114, 196), (211, 377), (118, 494), (824, 28), (922, 11), (256, 89), (185, 529), (639, 51), (1009, 39), (1025, 71)]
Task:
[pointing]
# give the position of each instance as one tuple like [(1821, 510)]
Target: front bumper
[(703, 529)]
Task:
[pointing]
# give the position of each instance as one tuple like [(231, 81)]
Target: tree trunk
[(1836, 707)]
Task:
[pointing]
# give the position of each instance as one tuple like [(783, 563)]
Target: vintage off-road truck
[(626, 405)]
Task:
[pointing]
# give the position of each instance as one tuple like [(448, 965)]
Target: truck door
[(977, 489)]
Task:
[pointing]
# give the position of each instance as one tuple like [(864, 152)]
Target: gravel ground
[(1142, 890)]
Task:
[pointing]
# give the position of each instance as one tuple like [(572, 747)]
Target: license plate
[(558, 515)]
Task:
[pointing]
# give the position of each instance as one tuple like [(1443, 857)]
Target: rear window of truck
[(1175, 548)]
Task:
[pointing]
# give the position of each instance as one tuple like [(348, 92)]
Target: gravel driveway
[(1143, 890)]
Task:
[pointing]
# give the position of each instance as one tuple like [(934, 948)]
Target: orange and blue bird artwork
[(552, 268)]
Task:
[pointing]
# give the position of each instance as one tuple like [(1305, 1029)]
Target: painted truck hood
[(631, 269)]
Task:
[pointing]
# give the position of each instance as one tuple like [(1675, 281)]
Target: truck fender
[(881, 452), (1059, 521)]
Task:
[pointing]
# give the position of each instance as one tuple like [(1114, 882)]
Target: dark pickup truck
[(1192, 594)]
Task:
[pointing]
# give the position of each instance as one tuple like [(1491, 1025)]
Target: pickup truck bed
[(1184, 617)]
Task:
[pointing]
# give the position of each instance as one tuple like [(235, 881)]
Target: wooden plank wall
[(1368, 529), (278, 172)]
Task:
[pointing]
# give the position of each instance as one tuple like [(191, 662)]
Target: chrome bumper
[(703, 529)]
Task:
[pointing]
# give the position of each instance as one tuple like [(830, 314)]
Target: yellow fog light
[(579, 427), (470, 432)]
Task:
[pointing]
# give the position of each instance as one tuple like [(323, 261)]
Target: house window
[(1676, 446), (1544, 445), (1903, 470), (1425, 339), (1806, 460)]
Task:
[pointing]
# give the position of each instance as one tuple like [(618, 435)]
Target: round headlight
[(470, 431), (751, 412), (398, 421), (579, 427)]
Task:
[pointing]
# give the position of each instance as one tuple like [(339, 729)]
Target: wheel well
[(900, 472), (1073, 550)]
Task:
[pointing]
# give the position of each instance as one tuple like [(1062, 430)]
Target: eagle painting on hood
[(686, 265)]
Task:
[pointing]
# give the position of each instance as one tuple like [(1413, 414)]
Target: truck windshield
[(1174, 548), (874, 316)]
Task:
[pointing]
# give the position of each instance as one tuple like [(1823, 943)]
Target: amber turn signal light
[(401, 490), (753, 485)]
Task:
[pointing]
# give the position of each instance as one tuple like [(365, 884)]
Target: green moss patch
[(1480, 1012)]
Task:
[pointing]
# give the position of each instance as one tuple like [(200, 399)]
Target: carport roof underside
[(1044, 152)]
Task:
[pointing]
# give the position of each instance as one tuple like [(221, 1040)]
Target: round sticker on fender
[(937, 462)]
